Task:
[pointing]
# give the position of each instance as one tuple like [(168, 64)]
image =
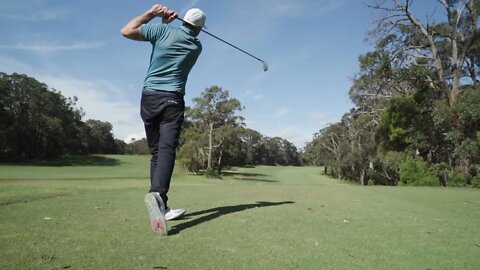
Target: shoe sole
[(157, 219)]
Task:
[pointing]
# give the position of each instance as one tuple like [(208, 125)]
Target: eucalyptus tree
[(332, 145), (253, 147), (213, 118), (36, 122), (100, 138), (445, 47)]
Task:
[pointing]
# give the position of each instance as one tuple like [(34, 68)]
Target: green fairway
[(89, 214)]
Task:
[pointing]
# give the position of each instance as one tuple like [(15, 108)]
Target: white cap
[(195, 17)]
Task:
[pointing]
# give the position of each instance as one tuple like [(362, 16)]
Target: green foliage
[(456, 179), (469, 111), (213, 121), (99, 137), (120, 146), (391, 164), (423, 102), (215, 137), (191, 164), (214, 106), (399, 119), (36, 122), (211, 173), (468, 150), (476, 181), (252, 146), (137, 147), (190, 154), (374, 80), (417, 172), (444, 171), (347, 148)]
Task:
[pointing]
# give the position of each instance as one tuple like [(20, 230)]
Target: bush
[(476, 181), (211, 173), (443, 171), (386, 169), (457, 179), (191, 165), (417, 172)]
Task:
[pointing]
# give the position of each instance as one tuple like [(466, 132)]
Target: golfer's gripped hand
[(167, 14)]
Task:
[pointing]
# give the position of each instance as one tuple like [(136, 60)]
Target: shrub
[(211, 173), (476, 181), (191, 165), (457, 179), (417, 172), (443, 171)]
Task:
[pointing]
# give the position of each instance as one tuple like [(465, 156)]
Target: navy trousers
[(162, 113)]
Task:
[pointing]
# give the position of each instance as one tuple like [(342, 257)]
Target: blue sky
[(311, 46)]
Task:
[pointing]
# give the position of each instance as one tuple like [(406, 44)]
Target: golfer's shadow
[(217, 212)]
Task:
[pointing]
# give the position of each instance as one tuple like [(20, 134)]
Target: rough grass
[(88, 215)]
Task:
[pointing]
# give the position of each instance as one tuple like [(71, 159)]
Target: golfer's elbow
[(125, 32), (131, 33)]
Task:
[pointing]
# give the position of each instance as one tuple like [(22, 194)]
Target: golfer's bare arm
[(132, 29)]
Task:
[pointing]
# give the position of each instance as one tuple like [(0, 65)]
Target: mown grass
[(91, 216)]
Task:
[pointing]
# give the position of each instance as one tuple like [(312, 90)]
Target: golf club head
[(265, 67)]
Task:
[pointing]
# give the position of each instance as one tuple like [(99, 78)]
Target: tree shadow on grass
[(254, 179), (69, 161), (216, 212), (243, 176)]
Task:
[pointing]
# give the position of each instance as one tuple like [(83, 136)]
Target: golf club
[(265, 66)]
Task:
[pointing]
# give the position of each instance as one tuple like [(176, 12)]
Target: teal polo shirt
[(174, 52)]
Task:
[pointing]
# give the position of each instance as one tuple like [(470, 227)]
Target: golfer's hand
[(167, 14)]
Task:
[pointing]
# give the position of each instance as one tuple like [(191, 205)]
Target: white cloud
[(33, 11), (253, 95), (134, 137), (329, 6), (95, 97), (298, 131), (321, 120), (281, 112), (54, 47), (297, 136), (10, 65), (257, 97), (40, 16), (269, 13)]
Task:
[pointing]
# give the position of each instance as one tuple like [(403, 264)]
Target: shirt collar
[(188, 31)]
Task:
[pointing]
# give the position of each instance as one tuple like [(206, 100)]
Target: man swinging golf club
[(174, 53)]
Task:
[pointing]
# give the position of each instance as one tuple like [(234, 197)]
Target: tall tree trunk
[(362, 177), (220, 155), (210, 146), (472, 72)]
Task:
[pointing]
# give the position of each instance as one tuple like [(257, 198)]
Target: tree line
[(38, 123), (215, 136), (416, 119)]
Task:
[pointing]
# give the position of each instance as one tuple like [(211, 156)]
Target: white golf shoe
[(173, 213)]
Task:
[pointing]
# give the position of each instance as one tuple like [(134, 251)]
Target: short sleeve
[(152, 32)]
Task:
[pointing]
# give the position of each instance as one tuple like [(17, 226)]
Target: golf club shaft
[(228, 43)]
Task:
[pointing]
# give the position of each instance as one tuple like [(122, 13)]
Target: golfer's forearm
[(132, 29)]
